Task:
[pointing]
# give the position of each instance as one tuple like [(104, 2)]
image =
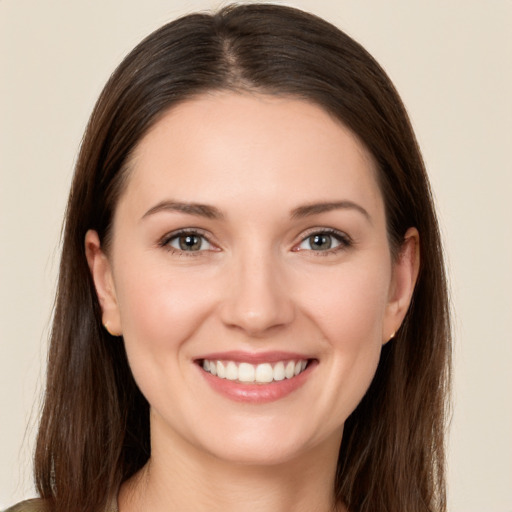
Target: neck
[(206, 483)]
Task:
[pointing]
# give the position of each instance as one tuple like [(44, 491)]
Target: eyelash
[(344, 241), (168, 238)]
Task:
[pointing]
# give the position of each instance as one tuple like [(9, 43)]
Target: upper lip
[(253, 357)]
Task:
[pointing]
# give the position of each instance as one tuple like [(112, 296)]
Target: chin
[(270, 443)]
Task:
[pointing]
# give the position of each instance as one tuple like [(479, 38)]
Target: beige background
[(451, 60)]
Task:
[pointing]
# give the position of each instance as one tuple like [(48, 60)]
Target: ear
[(405, 273), (101, 271)]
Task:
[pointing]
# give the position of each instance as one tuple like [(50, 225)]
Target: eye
[(187, 242), (323, 241)]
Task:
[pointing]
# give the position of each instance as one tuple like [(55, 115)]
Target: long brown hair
[(94, 431)]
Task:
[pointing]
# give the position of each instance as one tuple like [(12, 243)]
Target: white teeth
[(231, 371), (279, 371), (246, 372), (264, 373), (250, 373), (290, 370)]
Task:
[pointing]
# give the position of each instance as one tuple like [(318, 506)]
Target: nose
[(257, 299)]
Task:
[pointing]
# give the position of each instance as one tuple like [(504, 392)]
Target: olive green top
[(39, 505), (36, 505)]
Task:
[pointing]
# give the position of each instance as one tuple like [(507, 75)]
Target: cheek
[(349, 305), (159, 314), (160, 310), (350, 318)]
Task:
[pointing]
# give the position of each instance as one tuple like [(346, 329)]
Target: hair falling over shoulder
[(94, 430)]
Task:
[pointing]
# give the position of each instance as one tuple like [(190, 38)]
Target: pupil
[(190, 243), (321, 242)]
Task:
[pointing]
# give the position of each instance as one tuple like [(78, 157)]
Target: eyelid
[(168, 237), (345, 241)]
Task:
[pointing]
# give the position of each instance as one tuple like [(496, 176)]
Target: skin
[(256, 284)]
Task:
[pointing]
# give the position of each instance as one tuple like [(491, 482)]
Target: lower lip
[(257, 393)]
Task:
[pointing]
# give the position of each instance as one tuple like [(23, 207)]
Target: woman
[(251, 309)]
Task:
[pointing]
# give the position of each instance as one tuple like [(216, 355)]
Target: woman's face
[(251, 277)]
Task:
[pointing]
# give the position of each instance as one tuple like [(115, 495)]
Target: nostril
[(257, 321)]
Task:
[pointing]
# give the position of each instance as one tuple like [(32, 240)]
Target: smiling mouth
[(247, 373)]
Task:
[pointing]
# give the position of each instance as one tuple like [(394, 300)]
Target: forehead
[(224, 145)]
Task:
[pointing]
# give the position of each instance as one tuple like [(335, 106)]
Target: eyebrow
[(211, 212), (201, 210), (316, 208)]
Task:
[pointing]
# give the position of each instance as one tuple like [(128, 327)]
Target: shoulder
[(37, 505)]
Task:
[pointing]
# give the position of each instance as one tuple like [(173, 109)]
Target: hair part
[(94, 430)]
